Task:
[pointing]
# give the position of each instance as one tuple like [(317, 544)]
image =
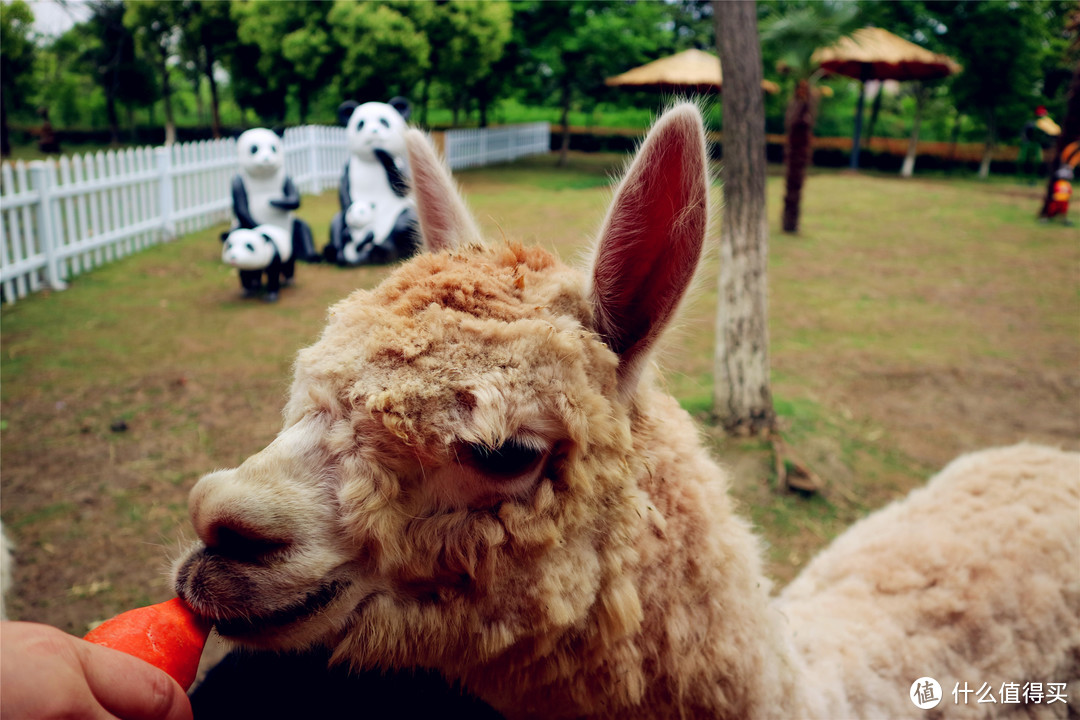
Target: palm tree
[(797, 34)]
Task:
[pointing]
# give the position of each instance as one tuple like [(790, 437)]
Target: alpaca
[(477, 474)]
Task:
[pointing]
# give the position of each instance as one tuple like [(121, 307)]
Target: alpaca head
[(456, 472)]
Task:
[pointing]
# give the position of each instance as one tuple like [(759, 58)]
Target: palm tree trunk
[(800, 130)]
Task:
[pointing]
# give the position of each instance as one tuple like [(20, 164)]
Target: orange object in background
[(167, 635)]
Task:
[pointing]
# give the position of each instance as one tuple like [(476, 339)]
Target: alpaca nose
[(235, 522)]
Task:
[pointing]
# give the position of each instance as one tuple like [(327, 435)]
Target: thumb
[(130, 688)]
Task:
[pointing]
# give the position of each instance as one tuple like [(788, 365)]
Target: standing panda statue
[(267, 237), (377, 222)]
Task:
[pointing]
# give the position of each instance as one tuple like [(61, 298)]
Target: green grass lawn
[(910, 321)]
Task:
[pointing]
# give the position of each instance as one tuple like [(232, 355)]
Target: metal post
[(41, 180)]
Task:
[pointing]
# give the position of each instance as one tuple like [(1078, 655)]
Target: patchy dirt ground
[(890, 358)]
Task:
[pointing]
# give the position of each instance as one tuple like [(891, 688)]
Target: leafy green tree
[(570, 46), (1000, 46), (154, 24), (292, 49), (795, 35), (209, 36), (467, 39), (109, 59), (384, 52), (16, 63)]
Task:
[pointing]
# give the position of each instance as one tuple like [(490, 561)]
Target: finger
[(130, 688)]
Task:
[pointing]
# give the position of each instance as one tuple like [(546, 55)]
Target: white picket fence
[(485, 146), (60, 219)]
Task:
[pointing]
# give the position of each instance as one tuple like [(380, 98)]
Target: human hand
[(48, 673)]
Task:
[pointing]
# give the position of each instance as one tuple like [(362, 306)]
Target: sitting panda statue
[(264, 197), (376, 179), (263, 249)]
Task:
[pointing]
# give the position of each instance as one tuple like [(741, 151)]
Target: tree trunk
[(215, 104), (166, 98), (425, 97), (875, 112), (483, 108), (5, 140), (564, 148), (200, 106), (109, 86), (954, 139), (800, 130), (303, 101), (1070, 132), (908, 168), (988, 149), (742, 400)]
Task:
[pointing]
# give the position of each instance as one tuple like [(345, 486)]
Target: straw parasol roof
[(875, 54), (688, 71)]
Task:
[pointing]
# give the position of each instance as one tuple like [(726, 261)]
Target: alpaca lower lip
[(256, 623), (220, 590)]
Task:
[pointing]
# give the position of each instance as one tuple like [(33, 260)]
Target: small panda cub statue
[(264, 199), (360, 220), (375, 180), (263, 249)]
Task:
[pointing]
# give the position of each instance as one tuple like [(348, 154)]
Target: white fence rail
[(474, 148), (60, 219)]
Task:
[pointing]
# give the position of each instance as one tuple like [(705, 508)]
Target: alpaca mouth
[(258, 624), (219, 591)]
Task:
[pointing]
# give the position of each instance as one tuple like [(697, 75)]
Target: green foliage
[(385, 54), (290, 46), (570, 47), (16, 54), (467, 40), (1000, 46), (795, 34), (286, 61)]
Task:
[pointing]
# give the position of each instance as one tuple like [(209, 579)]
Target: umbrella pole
[(858, 125)]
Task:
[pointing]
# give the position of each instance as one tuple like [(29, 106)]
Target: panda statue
[(263, 249), (376, 179), (264, 197)]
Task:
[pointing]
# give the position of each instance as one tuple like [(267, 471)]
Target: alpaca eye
[(254, 149), (360, 125), (507, 461)]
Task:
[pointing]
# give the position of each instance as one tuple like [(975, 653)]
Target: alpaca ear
[(651, 240), (445, 222)]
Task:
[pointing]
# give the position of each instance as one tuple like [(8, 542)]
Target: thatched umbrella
[(694, 71), (875, 54)]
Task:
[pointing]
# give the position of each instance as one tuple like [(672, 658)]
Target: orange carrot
[(167, 635)]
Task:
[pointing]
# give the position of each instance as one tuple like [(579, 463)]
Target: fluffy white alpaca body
[(972, 580), (477, 474)]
